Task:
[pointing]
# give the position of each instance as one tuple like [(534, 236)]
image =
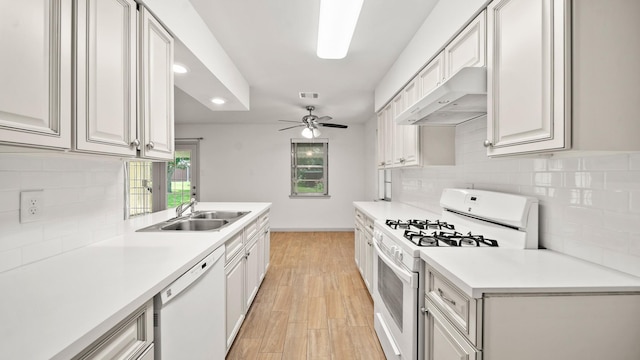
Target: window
[(139, 187), (309, 177)]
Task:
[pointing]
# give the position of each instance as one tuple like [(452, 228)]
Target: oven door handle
[(407, 276)]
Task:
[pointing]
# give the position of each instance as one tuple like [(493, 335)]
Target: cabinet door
[(527, 70), (106, 77), (368, 263), (267, 249), (398, 131), (357, 237), (442, 341), (260, 250), (252, 274), (431, 76), (468, 48), (381, 135), (410, 94), (156, 89), (390, 126), (36, 73), (410, 145), (234, 273)]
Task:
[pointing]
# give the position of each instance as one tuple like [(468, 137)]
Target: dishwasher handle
[(191, 276)]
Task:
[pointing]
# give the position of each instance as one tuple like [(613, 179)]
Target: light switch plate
[(31, 206)]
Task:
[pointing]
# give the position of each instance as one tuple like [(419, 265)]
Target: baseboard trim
[(311, 230)]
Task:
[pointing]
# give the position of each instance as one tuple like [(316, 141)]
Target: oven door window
[(390, 287)]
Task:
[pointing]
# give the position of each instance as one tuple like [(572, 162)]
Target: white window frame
[(325, 167)]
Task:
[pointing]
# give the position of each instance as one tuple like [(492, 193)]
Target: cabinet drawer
[(233, 246), (250, 230), (460, 309), (359, 216), (263, 220), (127, 340)]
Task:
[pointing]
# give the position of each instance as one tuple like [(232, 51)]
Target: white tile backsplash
[(589, 205), (83, 204)]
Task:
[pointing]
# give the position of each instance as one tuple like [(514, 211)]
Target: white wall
[(445, 20), (83, 204), (251, 162), (589, 206)]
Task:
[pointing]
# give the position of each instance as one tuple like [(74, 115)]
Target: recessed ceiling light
[(218, 101), (180, 69), (337, 22)]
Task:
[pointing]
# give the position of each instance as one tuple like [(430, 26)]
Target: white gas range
[(470, 218)]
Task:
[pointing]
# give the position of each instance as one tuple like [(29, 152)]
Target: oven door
[(395, 297)]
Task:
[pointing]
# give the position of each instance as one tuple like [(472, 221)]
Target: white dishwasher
[(189, 313)]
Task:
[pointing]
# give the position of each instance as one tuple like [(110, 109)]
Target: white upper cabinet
[(381, 135), (389, 133), (155, 89), (528, 102), (431, 76), (36, 73), (106, 77), (468, 48), (557, 82)]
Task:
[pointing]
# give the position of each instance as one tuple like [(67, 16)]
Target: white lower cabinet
[(252, 275), (234, 276), (528, 326), (442, 341), (364, 248), (132, 339), (245, 270)]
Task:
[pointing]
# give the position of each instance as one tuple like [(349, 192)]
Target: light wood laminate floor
[(312, 304)]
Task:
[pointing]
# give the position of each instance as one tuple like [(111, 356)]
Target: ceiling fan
[(311, 122)]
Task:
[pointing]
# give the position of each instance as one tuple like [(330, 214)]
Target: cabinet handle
[(135, 143), (151, 145), (487, 143), (451, 301), (424, 310)]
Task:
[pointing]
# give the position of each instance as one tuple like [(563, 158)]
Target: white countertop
[(479, 271), (54, 308)]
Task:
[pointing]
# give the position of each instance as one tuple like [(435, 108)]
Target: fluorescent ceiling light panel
[(338, 20)]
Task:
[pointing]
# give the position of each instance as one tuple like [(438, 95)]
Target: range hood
[(461, 98)]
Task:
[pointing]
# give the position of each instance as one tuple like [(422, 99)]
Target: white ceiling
[(273, 44)]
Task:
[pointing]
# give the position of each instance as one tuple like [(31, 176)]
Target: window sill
[(309, 196)]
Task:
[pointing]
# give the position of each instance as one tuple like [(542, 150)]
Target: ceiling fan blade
[(291, 127), (339, 126), (324, 118), (290, 121)]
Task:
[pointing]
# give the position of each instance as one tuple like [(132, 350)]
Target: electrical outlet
[(31, 206)]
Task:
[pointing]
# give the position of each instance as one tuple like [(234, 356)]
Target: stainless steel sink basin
[(196, 224), (215, 214), (205, 220)]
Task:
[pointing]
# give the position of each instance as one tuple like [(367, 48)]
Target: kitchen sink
[(204, 220), (196, 224), (214, 214)]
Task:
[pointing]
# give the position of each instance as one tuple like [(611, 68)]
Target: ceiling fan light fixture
[(316, 132), (307, 133), (338, 19)]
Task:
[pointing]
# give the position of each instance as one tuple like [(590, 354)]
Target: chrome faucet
[(185, 205)]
